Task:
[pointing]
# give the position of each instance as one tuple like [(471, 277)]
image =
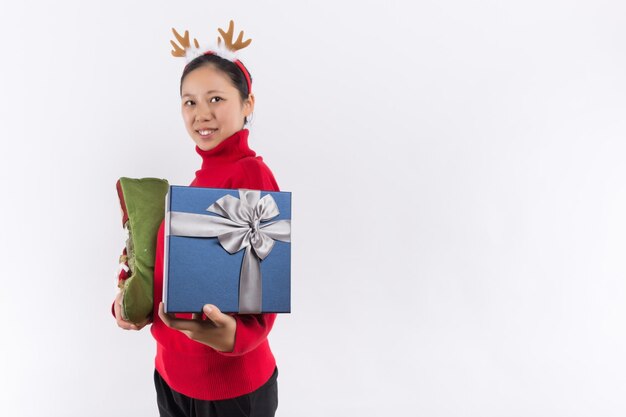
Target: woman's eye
[(216, 99), (189, 103)]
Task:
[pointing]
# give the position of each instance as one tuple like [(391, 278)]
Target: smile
[(206, 132)]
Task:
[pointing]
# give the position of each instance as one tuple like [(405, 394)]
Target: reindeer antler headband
[(226, 51)]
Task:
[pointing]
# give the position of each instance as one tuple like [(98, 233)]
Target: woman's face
[(212, 107)]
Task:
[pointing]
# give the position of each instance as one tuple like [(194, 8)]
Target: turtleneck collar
[(230, 149)]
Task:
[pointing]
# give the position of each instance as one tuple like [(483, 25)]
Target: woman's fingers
[(217, 332), (117, 308), (141, 325), (214, 314), (178, 324)]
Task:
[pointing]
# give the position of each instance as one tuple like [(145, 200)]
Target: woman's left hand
[(218, 331)]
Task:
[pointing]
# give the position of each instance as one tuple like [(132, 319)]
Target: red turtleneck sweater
[(192, 368)]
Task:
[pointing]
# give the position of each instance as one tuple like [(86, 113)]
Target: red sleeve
[(252, 329)]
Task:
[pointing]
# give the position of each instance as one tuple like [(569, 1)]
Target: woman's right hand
[(126, 325)]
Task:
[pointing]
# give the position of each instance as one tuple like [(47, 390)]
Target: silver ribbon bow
[(242, 225)]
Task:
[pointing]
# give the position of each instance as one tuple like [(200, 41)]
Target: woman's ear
[(248, 105)]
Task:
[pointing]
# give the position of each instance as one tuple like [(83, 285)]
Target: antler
[(228, 38), (179, 51)]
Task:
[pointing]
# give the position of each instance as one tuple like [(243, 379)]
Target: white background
[(459, 192)]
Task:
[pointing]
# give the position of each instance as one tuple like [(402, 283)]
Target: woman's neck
[(229, 150)]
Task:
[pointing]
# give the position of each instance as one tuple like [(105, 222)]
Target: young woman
[(216, 364)]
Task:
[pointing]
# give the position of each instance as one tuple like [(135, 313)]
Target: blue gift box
[(230, 248)]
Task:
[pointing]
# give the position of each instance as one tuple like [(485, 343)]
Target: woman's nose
[(203, 112)]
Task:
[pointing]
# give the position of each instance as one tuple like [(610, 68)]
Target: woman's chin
[(207, 144)]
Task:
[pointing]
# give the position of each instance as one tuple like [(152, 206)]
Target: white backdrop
[(472, 263)]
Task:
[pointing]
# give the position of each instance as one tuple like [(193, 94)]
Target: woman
[(216, 364)]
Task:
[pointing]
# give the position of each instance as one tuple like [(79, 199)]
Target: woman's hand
[(218, 331), (127, 325)]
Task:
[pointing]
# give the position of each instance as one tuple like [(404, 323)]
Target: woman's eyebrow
[(207, 93)]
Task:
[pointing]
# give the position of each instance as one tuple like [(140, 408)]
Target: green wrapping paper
[(143, 205)]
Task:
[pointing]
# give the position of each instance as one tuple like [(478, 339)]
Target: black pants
[(260, 403)]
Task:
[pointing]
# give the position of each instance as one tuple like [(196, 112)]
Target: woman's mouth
[(206, 132)]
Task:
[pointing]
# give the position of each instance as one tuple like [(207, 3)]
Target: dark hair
[(224, 65)]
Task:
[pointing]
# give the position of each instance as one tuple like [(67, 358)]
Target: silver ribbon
[(243, 225)]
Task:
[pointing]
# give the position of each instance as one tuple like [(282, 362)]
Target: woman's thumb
[(212, 313)]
